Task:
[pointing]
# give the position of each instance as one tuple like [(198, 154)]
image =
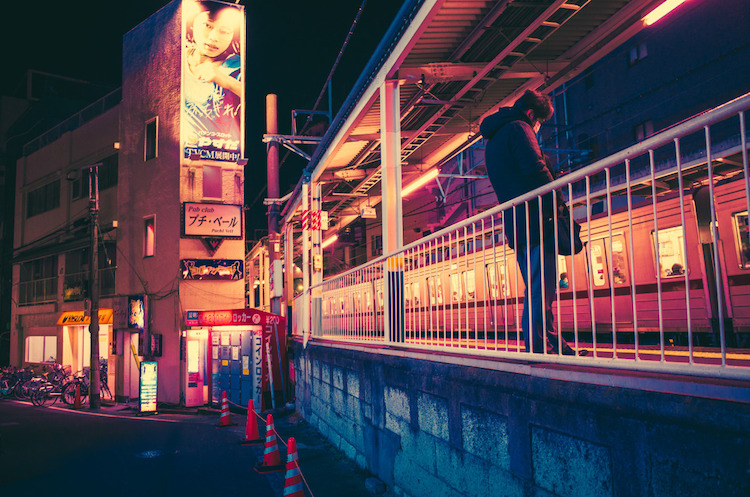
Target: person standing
[(515, 166)]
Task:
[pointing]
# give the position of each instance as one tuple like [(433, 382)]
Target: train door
[(608, 269), (702, 202)]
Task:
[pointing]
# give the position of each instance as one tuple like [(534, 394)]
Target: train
[(466, 284)]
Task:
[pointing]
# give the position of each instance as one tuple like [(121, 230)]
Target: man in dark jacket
[(515, 166)]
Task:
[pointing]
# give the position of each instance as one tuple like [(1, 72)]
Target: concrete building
[(170, 215)]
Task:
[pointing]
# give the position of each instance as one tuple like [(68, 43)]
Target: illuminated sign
[(137, 312), (212, 269), (211, 220), (213, 68), (148, 386), (73, 318), (232, 317)]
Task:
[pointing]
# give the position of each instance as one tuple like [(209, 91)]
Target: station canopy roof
[(457, 62)]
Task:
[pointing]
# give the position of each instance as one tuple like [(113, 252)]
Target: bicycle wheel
[(39, 397), (69, 393), (6, 387)]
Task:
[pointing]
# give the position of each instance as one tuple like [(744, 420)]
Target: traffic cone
[(271, 459), (251, 427), (293, 478), (77, 402), (225, 420)]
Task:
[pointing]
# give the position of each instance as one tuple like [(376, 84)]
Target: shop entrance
[(194, 374), (246, 356)]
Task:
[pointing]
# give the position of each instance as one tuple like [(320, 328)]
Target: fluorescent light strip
[(661, 11)]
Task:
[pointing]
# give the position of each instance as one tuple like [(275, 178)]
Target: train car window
[(357, 302), (598, 264), (470, 284), (368, 301), (407, 294), (742, 239), (619, 261), (380, 298), (435, 290), (562, 272), (415, 294), (496, 280), (456, 290), (670, 250), (342, 303)]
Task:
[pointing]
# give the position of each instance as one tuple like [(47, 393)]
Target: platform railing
[(663, 281)]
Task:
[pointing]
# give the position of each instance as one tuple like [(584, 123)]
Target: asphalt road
[(62, 452)]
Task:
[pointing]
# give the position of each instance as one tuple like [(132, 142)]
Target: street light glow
[(661, 11)]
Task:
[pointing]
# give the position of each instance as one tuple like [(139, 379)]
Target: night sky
[(291, 47)]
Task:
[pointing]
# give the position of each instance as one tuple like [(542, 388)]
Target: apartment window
[(149, 237), (38, 281), (41, 349), (108, 171), (76, 282), (644, 130), (43, 199), (637, 54), (151, 143), (211, 182), (376, 245)]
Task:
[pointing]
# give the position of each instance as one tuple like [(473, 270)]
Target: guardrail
[(663, 282)]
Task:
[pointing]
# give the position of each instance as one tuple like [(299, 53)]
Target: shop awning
[(79, 318)]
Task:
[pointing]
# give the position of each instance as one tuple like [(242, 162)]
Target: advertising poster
[(212, 269), (148, 387), (213, 45)]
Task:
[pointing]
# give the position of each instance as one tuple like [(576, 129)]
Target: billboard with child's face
[(213, 69)]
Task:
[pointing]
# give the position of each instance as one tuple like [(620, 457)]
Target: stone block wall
[(433, 429)]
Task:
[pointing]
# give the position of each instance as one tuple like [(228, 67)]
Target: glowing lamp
[(421, 181), (660, 11), (329, 241)]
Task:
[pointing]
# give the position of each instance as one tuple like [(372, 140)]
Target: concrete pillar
[(305, 301), (393, 235)]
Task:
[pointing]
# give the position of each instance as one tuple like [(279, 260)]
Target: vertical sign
[(148, 386), (213, 68)]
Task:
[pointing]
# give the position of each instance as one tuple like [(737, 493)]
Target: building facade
[(171, 193)]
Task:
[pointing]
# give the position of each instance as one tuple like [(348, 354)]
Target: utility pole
[(94, 370), (272, 170)]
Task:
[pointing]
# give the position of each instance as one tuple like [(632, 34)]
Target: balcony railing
[(662, 284)]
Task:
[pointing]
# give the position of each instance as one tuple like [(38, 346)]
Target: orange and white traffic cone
[(271, 459), (225, 420), (251, 427), (293, 478), (77, 402)]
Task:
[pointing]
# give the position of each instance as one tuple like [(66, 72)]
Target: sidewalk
[(325, 469)]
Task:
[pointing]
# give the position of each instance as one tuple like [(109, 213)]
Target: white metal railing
[(663, 282)]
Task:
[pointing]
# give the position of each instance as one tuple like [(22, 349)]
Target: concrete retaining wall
[(433, 429)]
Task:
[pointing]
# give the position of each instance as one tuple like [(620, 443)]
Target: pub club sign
[(202, 220), (212, 269)]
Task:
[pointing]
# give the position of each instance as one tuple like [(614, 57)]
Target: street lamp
[(94, 369)]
